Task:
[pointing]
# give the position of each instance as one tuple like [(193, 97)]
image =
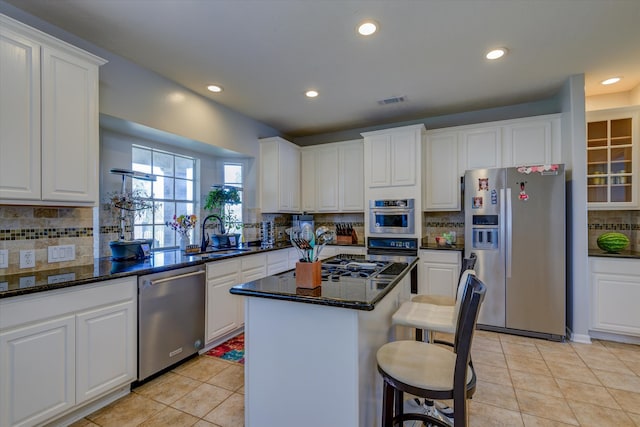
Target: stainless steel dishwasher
[(171, 318)]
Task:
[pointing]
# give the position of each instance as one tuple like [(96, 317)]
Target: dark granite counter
[(361, 295), (431, 245), (623, 254), (106, 269)]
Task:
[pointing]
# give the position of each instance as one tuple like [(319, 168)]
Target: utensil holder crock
[(308, 274)]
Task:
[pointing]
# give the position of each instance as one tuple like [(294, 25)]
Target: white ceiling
[(267, 53)]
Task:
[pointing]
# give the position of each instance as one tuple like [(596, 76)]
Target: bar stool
[(467, 264), (431, 317), (431, 371)]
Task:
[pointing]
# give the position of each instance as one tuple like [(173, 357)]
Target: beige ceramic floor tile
[(598, 416), (526, 364), (629, 401), (232, 378), (492, 374), (634, 365), (483, 415), (83, 423), (485, 344), (533, 421), (634, 417), (170, 417), (618, 381), (521, 350), (562, 357), (203, 423), (131, 410), (581, 392), (535, 382), (555, 346), (229, 413), (202, 400), (172, 388), (489, 358), (494, 336), (569, 371), (544, 406), (517, 339), (496, 395), (605, 362), (201, 368)]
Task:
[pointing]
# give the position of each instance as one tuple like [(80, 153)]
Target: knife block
[(308, 274)]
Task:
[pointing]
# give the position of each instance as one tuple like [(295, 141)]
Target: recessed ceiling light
[(367, 28), (215, 88), (311, 93), (611, 81), (496, 53)]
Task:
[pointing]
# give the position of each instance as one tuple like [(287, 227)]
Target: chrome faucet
[(205, 241)]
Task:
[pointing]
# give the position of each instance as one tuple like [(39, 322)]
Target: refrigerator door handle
[(508, 232)]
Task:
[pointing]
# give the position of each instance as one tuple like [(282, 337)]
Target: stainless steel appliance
[(171, 318), (391, 247), (515, 223), (391, 216)]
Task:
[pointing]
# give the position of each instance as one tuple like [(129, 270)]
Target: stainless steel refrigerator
[(515, 224)]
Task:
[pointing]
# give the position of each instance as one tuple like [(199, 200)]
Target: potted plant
[(219, 201), (127, 205), (183, 225)]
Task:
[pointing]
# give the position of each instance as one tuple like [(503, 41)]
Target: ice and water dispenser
[(485, 232)]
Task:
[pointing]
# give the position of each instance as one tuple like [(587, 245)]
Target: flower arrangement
[(182, 224)]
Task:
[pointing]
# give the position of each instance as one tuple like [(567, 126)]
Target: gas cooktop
[(357, 267)]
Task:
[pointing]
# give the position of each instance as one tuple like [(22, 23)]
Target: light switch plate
[(61, 253), (4, 258)]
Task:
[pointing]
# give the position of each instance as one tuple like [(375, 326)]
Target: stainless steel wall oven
[(391, 216)]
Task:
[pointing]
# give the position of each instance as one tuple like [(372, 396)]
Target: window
[(172, 193), (233, 178)]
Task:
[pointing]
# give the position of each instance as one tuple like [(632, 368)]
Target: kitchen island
[(310, 353)]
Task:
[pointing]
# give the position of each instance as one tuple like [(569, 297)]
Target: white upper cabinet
[(441, 185), (391, 156), (49, 119), (532, 142), (333, 178), (483, 148), (280, 175)]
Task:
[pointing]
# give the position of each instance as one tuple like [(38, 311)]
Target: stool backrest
[(467, 317), (462, 286), (468, 264)]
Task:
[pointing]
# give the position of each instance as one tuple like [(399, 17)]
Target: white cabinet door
[(441, 181), (106, 349), (351, 177), (37, 367), (279, 175), (308, 179), (531, 142), (439, 271), (615, 291), (404, 149), (223, 314), (254, 267), (327, 178), (277, 261), (19, 117), (69, 128), (483, 148), (378, 160)]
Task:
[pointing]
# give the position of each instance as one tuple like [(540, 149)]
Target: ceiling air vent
[(392, 100)]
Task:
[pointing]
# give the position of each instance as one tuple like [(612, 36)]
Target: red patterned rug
[(232, 350)]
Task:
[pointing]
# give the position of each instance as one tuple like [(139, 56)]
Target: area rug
[(232, 350)]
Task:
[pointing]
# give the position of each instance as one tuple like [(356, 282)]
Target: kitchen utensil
[(324, 238)]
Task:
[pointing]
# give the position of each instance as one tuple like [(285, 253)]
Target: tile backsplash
[(436, 223), (625, 222), (37, 228)]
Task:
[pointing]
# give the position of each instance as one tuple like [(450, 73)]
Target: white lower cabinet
[(615, 292), (439, 272), (277, 261), (225, 311), (60, 349)]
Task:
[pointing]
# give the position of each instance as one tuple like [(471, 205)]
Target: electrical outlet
[(27, 258), (4, 258), (27, 282)]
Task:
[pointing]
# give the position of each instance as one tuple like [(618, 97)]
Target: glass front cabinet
[(612, 166)]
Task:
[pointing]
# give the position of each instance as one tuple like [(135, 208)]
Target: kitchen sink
[(219, 253)]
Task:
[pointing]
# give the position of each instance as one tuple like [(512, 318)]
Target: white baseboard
[(609, 336), (78, 414), (580, 338)]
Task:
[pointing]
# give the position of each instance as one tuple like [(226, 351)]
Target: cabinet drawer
[(440, 256), (223, 268)]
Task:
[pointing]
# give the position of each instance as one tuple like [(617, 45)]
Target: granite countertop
[(107, 269), (624, 254), (361, 294), (432, 245)]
